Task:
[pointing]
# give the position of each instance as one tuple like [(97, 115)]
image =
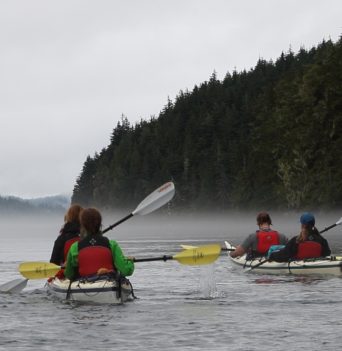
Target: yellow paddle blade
[(187, 247), (199, 255), (38, 270)]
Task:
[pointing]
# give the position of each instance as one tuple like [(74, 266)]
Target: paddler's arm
[(72, 262), (239, 251), (58, 246), (325, 248), (123, 264), (244, 247)]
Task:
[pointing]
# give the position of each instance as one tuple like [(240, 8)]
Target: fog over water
[(41, 231), (179, 307)]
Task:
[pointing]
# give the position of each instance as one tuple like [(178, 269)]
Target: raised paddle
[(197, 256), (322, 231), (152, 202), (331, 226)]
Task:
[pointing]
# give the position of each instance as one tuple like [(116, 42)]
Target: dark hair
[(91, 220), (263, 217)]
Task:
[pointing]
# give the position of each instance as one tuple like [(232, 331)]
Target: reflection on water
[(286, 279)]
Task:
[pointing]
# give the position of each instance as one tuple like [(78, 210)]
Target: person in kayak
[(258, 243), (69, 233), (308, 244), (94, 253)]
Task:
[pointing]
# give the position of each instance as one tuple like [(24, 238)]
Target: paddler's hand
[(103, 271), (130, 258)]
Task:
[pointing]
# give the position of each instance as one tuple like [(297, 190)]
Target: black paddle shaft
[(328, 228), (117, 223), (148, 259)]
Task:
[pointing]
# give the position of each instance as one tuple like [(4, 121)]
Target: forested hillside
[(269, 137)]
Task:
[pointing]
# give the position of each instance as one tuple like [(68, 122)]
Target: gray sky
[(69, 69)]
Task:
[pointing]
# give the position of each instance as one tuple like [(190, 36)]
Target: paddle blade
[(38, 270), (14, 286), (339, 221), (188, 247), (199, 255), (229, 246), (158, 198)]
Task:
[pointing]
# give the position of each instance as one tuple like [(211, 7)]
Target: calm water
[(179, 307)]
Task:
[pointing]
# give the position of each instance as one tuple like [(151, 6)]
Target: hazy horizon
[(197, 224)]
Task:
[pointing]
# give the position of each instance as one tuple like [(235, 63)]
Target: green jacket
[(122, 264)]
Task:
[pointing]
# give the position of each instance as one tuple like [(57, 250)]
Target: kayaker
[(94, 253), (69, 233), (308, 244), (258, 243)]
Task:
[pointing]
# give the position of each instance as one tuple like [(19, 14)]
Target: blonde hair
[(73, 213)]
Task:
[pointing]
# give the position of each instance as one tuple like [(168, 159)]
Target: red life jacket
[(266, 239), (93, 254), (309, 249), (67, 245)]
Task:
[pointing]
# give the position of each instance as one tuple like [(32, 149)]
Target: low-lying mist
[(204, 227), (233, 226)]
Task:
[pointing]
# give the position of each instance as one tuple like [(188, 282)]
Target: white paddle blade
[(229, 246), (14, 286), (339, 221), (157, 199)]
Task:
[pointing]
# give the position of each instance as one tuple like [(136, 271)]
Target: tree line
[(50, 204), (267, 137)]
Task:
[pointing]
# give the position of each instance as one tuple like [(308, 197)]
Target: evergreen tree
[(267, 137)]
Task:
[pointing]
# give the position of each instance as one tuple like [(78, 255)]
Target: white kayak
[(101, 290), (330, 265)]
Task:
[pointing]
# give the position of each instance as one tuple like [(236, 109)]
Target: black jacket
[(69, 231)]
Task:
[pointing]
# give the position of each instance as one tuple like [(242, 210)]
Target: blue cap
[(307, 218)]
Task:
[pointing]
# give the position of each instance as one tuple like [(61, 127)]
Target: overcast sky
[(70, 69)]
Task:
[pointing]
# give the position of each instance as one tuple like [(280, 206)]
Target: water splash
[(207, 282)]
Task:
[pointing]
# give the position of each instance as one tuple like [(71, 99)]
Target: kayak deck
[(104, 290), (330, 265)]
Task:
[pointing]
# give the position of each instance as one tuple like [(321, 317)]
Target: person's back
[(69, 233), (308, 244), (95, 254), (258, 243)]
